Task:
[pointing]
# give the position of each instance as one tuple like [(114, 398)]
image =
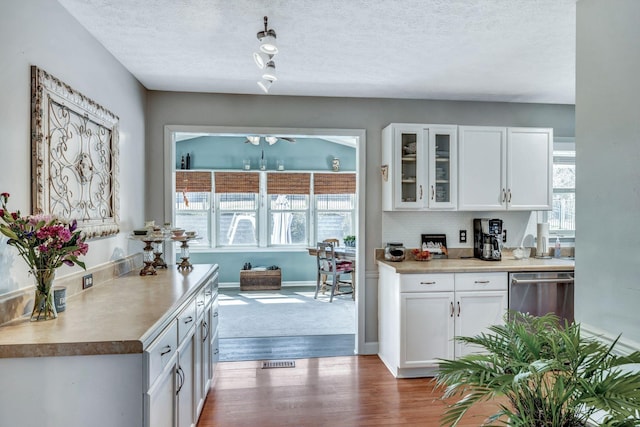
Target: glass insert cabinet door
[(442, 167), (410, 168)]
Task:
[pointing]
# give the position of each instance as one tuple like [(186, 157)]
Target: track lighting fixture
[(267, 39), (264, 58)]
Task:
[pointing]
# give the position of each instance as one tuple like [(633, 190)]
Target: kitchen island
[(121, 352), (424, 305)]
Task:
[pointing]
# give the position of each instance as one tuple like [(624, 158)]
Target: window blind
[(288, 183), (237, 182), (192, 182), (332, 183)]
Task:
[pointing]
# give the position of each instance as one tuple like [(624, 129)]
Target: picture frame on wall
[(74, 163)]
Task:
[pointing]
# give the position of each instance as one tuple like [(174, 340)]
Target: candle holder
[(185, 264), (158, 262), (148, 257)]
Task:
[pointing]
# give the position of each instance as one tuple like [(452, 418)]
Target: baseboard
[(368, 348), (284, 284), (623, 347)]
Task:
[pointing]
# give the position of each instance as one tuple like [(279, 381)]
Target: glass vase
[(44, 307)]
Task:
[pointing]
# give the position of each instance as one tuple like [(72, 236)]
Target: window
[(265, 209), (193, 203), (335, 205), (562, 217), (237, 208), (288, 208)]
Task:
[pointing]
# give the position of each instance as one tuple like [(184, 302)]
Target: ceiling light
[(267, 39), (270, 72), (261, 59), (271, 139), (265, 85)]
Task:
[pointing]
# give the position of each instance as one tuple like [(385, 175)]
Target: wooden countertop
[(119, 316), (476, 265)]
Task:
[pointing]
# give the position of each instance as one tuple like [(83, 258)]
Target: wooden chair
[(329, 265)]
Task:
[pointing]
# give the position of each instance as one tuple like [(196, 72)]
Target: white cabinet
[(181, 361), (504, 168), (419, 167), (420, 314)]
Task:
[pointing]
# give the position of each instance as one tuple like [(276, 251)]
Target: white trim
[(623, 347), (361, 154)]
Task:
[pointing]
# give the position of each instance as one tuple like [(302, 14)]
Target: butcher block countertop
[(119, 316), (470, 265)]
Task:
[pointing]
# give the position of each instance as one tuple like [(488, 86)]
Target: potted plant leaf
[(350, 240), (542, 374)]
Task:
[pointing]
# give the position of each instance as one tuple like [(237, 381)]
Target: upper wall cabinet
[(504, 168), (419, 167)]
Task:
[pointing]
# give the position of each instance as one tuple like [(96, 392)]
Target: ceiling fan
[(255, 139)]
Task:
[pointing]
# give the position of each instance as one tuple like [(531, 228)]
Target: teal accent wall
[(295, 266), (228, 152)]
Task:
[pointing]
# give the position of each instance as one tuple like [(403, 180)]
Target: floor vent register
[(268, 364)]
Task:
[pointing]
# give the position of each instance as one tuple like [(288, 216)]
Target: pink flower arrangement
[(43, 241)]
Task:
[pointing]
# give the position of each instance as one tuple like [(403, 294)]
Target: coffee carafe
[(487, 239)]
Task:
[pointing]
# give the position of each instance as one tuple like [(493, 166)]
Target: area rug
[(291, 311)]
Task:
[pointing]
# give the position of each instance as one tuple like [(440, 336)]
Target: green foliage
[(548, 374)]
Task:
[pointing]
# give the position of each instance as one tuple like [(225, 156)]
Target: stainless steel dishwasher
[(540, 293)]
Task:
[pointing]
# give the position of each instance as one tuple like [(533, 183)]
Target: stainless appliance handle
[(530, 281)]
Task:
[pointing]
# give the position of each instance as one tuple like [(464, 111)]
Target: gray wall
[(42, 33), (171, 108), (607, 164)]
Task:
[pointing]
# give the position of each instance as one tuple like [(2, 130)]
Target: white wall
[(42, 33), (170, 108), (608, 166)]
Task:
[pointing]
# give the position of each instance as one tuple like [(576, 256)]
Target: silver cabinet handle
[(427, 283), (180, 373), (165, 350), (205, 326), (200, 303), (451, 310), (188, 320), (433, 192), (215, 314), (208, 293), (482, 282), (458, 308), (420, 191), (509, 196)]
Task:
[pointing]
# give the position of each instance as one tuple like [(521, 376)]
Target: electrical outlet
[(87, 281), (504, 236), (463, 236)]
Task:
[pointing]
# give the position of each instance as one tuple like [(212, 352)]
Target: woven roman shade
[(237, 182), (192, 182), (334, 183), (288, 183)]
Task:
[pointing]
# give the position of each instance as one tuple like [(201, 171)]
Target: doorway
[(295, 293)]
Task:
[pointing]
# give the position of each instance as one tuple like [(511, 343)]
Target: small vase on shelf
[(44, 307)]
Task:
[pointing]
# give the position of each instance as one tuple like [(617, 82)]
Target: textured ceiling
[(492, 50)]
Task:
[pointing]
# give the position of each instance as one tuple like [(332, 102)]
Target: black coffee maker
[(487, 239)]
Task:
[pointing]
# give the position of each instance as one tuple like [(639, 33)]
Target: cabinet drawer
[(186, 320), (426, 282), (161, 351), (214, 316), (481, 281), (201, 302)]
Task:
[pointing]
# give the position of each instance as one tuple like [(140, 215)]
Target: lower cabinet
[(181, 362), (419, 316)]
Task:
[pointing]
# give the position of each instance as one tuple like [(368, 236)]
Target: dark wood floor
[(332, 391), (265, 348)]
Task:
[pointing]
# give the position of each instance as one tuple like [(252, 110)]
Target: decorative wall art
[(74, 145)]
